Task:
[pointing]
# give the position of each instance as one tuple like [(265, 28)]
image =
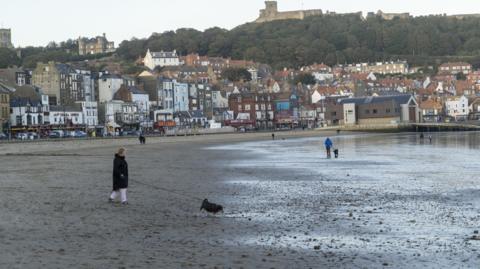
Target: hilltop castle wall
[(271, 13), (465, 16)]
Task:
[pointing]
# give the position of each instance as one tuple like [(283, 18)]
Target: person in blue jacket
[(328, 146)]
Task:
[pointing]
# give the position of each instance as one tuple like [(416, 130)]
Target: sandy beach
[(286, 206)]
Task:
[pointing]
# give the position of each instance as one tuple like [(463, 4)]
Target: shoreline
[(23, 147)]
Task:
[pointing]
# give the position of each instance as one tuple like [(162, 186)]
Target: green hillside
[(328, 39)]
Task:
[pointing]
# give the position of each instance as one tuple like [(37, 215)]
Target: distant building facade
[(457, 107), (108, 85), (455, 68), (96, 45), (373, 110), (63, 84), (4, 105), (385, 68)]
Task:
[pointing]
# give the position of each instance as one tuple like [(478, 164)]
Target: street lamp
[(29, 120), (9, 129)]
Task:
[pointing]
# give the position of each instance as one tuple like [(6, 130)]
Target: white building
[(66, 115), (457, 107), (322, 76), (27, 112), (162, 58), (254, 73), (316, 97), (107, 114), (218, 101), (142, 101), (397, 67), (108, 85), (90, 113)]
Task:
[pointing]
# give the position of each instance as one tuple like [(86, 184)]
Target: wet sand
[(401, 203)]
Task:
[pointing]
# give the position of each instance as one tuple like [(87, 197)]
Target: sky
[(36, 23)]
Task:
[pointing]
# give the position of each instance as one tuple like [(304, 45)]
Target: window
[(374, 111), (387, 110), (247, 107), (239, 107), (334, 113)]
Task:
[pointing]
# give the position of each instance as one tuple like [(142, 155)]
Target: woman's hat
[(121, 151)]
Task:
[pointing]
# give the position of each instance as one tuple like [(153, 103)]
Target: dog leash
[(168, 190)]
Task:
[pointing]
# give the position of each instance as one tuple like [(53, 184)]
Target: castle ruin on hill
[(271, 13)]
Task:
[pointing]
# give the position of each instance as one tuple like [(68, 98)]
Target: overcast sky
[(36, 22)]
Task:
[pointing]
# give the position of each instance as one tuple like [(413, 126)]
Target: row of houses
[(189, 91)]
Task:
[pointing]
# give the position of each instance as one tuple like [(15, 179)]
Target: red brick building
[(243, 107)]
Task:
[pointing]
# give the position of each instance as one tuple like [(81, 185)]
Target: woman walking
[(120, 177)]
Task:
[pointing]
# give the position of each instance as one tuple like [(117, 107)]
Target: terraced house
[(4, 106), (63, 84)]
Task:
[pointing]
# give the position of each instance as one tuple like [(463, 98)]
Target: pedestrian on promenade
[(273, 136), (120, 177), (142, 139), (328, 146), (430, 138)]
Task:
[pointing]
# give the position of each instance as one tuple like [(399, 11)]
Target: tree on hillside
[(131, 50), (461, 76), (8, 57), (329, 39), (236, 74), (305, 79)]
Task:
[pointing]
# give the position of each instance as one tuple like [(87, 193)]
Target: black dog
[(335, 151), (211, 207)]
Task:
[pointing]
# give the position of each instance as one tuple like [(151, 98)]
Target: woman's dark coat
[(120, 173)]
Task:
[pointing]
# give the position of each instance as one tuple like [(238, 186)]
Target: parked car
[(68, 134), (130, 133), (32, 136), (3, 136), (21, 136), (79, 134), (55, 134)]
